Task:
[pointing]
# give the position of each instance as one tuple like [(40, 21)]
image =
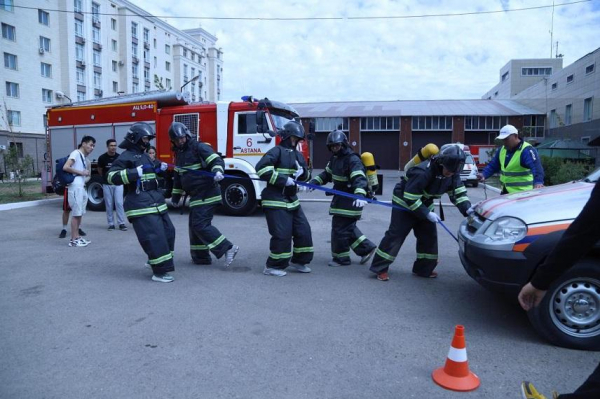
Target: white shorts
[(78, 199)]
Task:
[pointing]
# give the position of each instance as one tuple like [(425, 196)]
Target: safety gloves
[(433, 217), (219, 176), (140, 170), (360, 203), (289, 182), (163, 166), (298, 172)]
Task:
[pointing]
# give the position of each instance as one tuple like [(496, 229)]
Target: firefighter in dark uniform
[(144, 203), (347, 172), (415, 193), (191, 158), (280, 167)]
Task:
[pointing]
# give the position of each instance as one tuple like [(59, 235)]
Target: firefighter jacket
[(275, 167), (347, 172), (143, 194), (197, 156), (425, 182)]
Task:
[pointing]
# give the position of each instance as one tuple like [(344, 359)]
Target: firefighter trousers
[(401, 224), (204, 237), (285, 226), (156, 235), (345, 236)]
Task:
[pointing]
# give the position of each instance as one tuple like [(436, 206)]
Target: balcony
[(146, 45), (96, 22), (80, 64), (97, 46), (78, 15), (79, 39), (135, 59)]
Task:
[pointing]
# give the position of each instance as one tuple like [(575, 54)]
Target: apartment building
[(90, 49)]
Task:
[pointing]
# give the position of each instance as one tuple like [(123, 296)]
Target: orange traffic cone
[(455, 375)]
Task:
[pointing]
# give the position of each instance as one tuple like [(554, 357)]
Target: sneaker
[(63, 233), (78, 242), (230, 255), (147, 266), (528, 391), (335, 263), (432, 275), (111, 227), (383, 276), (301, 268), (84, 240), (274, 272), (82, 233), (163, 278), (122, 227), (368, 256)]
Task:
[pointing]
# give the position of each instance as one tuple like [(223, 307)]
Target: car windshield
[(280, 118), (593, 177), (469, 159)]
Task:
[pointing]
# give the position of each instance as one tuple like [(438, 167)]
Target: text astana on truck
[(424, 153)]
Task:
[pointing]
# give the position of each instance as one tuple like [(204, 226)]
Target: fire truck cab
[(241, 132)]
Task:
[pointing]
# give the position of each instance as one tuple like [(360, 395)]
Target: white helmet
[(507, 131)]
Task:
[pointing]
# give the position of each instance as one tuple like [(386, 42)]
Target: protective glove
[(433, 217), (480, 177), (219, 176), (299, 172), (360, 203), (175, 201), (140, 170), (163, 166), (471, 209), (289, 182)]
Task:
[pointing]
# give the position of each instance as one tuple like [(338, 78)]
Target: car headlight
[(506, 229)]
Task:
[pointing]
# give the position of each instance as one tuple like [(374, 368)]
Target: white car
[(469, 173)]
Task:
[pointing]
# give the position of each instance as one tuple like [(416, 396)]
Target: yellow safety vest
[(515, 177)]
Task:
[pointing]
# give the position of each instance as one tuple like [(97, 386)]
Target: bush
[(560, 170)]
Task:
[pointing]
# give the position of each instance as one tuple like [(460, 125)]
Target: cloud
[(455, 57)]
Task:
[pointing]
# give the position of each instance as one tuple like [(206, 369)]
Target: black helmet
[(292, 128), (136, 132), (452, 158), (337, 137), (179, 130)]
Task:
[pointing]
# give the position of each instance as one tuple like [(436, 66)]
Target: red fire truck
[(241, 132)]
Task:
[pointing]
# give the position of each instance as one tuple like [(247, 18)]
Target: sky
[(380, 59)]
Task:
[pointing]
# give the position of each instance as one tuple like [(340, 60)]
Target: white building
[(88, 49)]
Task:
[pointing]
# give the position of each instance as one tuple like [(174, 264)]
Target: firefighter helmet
[(292, 128), (136, 132), (337, 137), (179, 130), (452, 158)]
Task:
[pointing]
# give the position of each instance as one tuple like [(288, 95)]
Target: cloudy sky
[(348, 59)]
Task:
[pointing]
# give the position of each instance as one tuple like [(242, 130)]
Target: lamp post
[(60, 95), (189, 81)]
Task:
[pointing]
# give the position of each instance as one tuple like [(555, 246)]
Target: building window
[(134, 50), (7, 5), (77, 6), (80, 95), (12, 89), (113, 24), (155, 62), (8, 32), (95, 12), (167, 65), (46, 95), (167, 49), (185, 71), (554, 86), (146, 35), (43, 17), (185, 52), (134, 30), (115, 86), (484, 122), (135, 88), (587, 109), (155, 43), (568, 114), (18, 146), (570, 79), (10, 61), (146, 56), (588, 69), (45, 43), (113, 44), (46, 70), (168, 84), (504, 76), (147, 74), (391, 123), (114, 66), (432, 123), (134, 71), (14, 118), (96, 35), (97, 80), (553, 119), (79, 52), (97, 58), (533, 126), (78, 28), (329, 124), (80, 76), (585, 140), (536, 71)]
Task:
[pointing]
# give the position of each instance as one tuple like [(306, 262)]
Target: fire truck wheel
[(238, 197), (95, 194)]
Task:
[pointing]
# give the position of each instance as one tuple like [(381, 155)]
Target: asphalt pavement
[(89, 322)]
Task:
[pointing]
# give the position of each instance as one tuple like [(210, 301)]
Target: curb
[(27, 204)]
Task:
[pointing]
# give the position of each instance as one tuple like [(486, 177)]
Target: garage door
[(320, 152), (421, 139), (384, 146)]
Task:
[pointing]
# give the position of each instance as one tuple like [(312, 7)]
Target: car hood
[(561, 202)]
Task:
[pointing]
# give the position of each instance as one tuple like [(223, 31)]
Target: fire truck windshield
[(280, 119)]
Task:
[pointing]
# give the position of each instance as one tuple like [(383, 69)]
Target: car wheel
[(95, 194), (238, 195), (569, 314), (475, 183)]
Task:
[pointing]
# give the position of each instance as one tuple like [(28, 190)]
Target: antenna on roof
[(552, 29)]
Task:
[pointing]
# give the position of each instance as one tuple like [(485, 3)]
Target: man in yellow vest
[(518, 163)]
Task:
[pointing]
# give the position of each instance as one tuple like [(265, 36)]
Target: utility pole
[(552, 30)]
